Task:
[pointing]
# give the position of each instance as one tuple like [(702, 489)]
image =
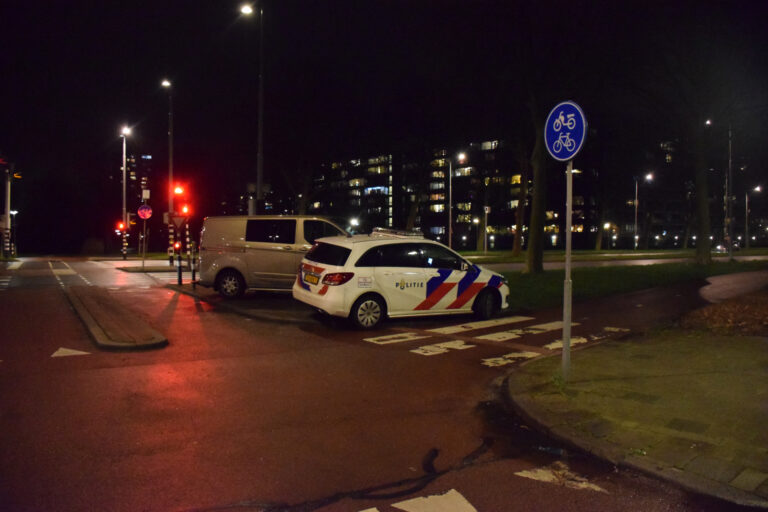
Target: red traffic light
[(185, 209), (177, 245), (178, 190), (120, 225)]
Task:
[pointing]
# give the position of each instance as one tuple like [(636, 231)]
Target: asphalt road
[(262, 404)]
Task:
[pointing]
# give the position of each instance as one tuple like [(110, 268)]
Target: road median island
[(686, 405), (110, 324)]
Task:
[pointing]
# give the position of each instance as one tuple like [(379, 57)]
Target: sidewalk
[(687, 406)]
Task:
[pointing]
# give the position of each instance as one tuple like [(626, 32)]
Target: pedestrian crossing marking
[(14, 265), (441, 348), (508, 359), (453, 329), (450, 501), (395, 338), (576, 340), (516, 333), (64, 352)]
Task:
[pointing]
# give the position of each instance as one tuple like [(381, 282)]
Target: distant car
[(391, 274), (258, 252)]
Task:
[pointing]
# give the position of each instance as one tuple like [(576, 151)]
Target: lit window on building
[(336, 165), (438, 174), (437, 197), (357, 182), (354, 193), (378, 169), (355, 163), (317, 205), (437, 230), (376, 191), (437, 185), (437, 208), (516, 179), (440, 162), (464, 171), (465, 207), (489, 145), (464, 218), (513, 204)]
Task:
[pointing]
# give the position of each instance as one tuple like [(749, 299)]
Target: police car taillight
[(337, 278)]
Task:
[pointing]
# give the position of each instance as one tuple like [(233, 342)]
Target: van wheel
[(367, 312), (230, 284), (486, 305)]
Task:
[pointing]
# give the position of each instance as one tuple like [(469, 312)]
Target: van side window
[(277, 231), (314, 229)]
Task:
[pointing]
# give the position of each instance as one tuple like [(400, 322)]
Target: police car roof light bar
[(396, 233)]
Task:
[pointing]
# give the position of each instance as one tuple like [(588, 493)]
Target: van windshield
[(328, 254)]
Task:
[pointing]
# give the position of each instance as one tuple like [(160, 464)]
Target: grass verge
[(535, 291)]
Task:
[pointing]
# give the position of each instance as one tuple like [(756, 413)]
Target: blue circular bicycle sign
[(565, 131)]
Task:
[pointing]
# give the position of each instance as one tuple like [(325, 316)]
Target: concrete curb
[(110, 324), (526, 409)]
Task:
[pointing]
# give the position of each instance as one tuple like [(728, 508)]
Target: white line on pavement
[(453, 329)]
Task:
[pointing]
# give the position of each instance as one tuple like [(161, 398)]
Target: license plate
[(311, 278)]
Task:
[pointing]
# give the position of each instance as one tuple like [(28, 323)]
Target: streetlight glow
[(649, 176), (246, 9), (125, 131), (166, 83)]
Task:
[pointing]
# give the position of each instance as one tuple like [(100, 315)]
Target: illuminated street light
[(167, 84), (248, 10), (746, 215), (124, 133), (648, 178)]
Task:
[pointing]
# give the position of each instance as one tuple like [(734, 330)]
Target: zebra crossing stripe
[(395, 338), (441, 348), (483, 324), (516, 333)]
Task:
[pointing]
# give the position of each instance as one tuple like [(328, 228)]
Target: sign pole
[(568, 284)]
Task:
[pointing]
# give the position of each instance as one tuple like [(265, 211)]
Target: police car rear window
[(328, 254)]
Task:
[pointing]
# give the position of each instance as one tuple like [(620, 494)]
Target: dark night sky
[(343, 78)]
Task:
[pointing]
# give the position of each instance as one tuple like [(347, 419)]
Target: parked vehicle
[(260, 252), (393, 274)]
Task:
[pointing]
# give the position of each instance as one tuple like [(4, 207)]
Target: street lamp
[(648, 178), (248, 10), (124, 133), (746, 215), (460, 157), (167, 84), (727, 208)]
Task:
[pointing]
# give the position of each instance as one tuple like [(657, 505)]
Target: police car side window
[(371, 258), (438, 257), (392, 255)]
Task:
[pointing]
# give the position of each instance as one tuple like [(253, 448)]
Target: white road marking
[(14, 265), (451, 501), (64, 352), (516, 333), (576, 340), (395, 338), (508, 358), (615, 329), (559, 473), (453, 329), (441, 348)]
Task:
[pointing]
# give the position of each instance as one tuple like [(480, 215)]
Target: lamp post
[(248, 10), (727, 200), (167, 84), (124, 133), (460, 157), (746, 215), (648, 178)]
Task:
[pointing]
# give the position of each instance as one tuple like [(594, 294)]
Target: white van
[(259, 252)]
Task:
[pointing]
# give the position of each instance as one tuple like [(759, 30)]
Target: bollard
[(179, 269)]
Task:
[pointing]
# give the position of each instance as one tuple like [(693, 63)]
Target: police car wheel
[(485, 305), (230, 284), (367, 312)]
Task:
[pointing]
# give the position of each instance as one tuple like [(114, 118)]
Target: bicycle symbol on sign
[(564, 141), (561, 121)]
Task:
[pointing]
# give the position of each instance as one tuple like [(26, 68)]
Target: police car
[(394, 274)]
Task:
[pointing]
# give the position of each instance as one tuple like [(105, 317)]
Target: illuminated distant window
[(498, 180), (336, 165), (489, 145), (668, 157), (437, 230), (355, 163), (464, 171), (440, 162), (436, 185), (354, 193), (378, 169), (146, 157), (316, 205), (550, 215), (465, 207), (630, 202), (578, 228), (516, 179), (437, 208), (440, 152), (358, 182), (464, 218), (437, 197), (438, 174), (513, 204)]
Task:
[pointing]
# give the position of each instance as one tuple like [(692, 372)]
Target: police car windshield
[(328, 254)]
